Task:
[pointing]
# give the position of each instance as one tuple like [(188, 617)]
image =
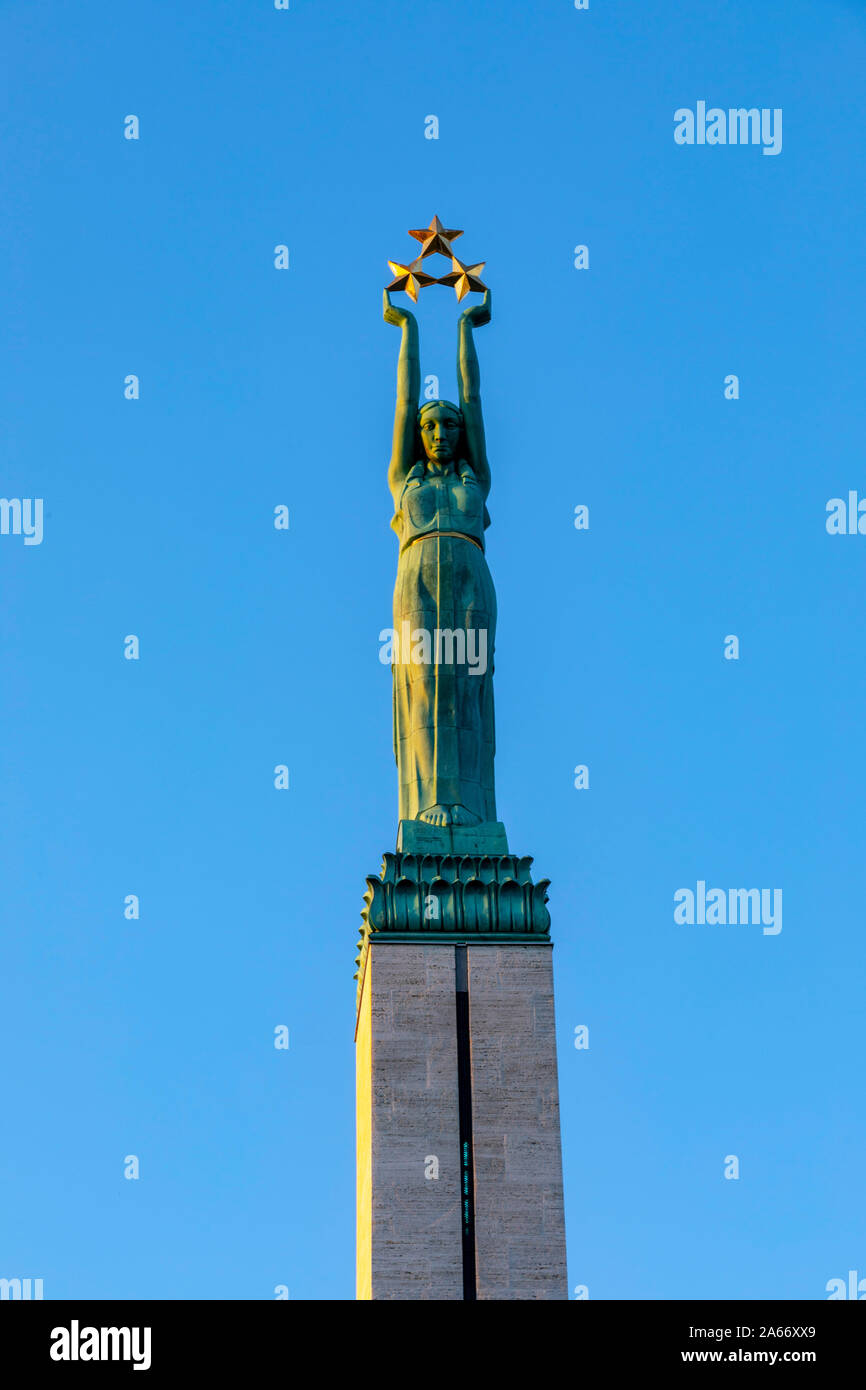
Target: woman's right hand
[(392, 313)]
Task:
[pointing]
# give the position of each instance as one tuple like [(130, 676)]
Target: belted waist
[(425, 535)]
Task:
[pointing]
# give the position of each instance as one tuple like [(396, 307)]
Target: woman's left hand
[(478, 314)]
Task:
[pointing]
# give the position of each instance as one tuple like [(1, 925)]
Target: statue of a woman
[(443, 686)]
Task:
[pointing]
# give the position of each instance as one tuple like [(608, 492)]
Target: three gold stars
[(436, 241)]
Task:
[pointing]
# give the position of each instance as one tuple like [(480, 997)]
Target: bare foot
[(448, 815)]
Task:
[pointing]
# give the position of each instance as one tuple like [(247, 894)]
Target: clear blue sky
[(261, 387)]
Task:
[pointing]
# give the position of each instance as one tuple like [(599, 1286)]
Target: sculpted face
[(440, 430)]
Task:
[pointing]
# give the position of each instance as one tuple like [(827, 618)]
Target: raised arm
[(469, 379), (408, 392)]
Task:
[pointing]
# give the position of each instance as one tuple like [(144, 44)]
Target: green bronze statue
[(444, 597), (451, 877)]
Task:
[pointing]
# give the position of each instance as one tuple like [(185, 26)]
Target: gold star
[(464, 277), (410, 277), (436, 239)]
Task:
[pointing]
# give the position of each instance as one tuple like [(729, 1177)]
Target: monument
[(459, 1172)]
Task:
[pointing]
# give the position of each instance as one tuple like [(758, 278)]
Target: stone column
[(459, 1164), (519, 1216), (409, 1236)]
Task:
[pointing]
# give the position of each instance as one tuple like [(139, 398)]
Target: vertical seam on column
[(464, 1106)]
